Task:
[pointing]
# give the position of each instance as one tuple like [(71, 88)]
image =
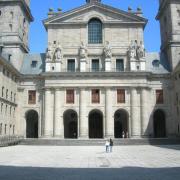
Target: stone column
[(109, 123), (49, 114), (58, 122), (144, 112), (83, 120), (135, 114)]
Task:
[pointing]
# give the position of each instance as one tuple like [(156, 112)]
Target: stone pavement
[(90, 163)]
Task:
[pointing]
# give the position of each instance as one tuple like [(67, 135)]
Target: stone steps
[(99, 142)]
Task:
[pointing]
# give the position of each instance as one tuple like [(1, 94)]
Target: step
[(99, 142)]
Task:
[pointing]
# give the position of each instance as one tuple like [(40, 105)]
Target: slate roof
[(152, 58), (27, 64)]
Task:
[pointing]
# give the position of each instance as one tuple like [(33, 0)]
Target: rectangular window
[(1, 129), (95, 96), (95, 65), (71, 65), (121, 96), (119, 65), (33, 64), (70, 96), (159, 96), (31, 97)]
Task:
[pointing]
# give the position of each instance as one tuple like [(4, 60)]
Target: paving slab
[(90, 162)]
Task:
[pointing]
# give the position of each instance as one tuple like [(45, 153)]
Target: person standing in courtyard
[(111, 144), (107, 146)]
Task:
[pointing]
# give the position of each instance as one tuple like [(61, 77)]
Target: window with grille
[(119, 65), (95, 31), (159, 96), (70, 96), (71, 65), (95, 96), (121, 96), (31, 97), (95, 65)]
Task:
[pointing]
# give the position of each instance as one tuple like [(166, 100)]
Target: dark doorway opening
[(70, 124), (121, 124), (95, 124), (32, 124), (159, 124)]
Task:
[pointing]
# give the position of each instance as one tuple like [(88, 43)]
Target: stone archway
[(120, 123), (159, 124), (95, 124), (70, 124), (31, 124)]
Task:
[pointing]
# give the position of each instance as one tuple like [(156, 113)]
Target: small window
[(70, 96), (0, 13), (156, 63), (34, 64), (119, 65), (95, 96), (53, 68), (54, 42), (31, 97), (71, 65), (1, 129), (5, 129), (159, 96), (95, 65), (120, 96)]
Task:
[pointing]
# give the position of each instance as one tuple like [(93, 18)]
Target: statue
[(108, 50), (83, 51), (49, 53), (136, 51), (141, 51), (58, 54)]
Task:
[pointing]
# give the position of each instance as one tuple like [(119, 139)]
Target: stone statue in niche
[(49, 53), (83, 51), (108, 50)]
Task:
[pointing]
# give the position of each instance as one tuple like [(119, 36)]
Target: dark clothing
[(111, 142)]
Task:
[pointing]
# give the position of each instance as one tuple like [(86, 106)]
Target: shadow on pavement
[(125, 173)]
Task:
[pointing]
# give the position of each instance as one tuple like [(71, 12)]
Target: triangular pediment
[(105, 13)]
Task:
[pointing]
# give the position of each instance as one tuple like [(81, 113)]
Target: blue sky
[(39, 8)]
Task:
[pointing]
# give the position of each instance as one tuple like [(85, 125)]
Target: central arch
[(159, 123), (120, 123), (32, 124), (70, 124), (95, 124)]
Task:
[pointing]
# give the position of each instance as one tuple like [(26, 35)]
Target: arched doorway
[(95, 124), (70, 124), (159, 124), (120, 124), (32, 124)]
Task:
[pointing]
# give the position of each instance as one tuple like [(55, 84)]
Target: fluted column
[(58, 122), (135, 114), (83, 120), (144, 112), (109, 123), (49, 113)]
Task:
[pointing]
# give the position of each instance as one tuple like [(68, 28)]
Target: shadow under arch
[(159, 123), (95, 124), (121, 123), (70, 118), (32, 123)]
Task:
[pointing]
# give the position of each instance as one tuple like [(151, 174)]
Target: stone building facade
[(95, 80)]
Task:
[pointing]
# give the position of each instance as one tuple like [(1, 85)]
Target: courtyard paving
[(90, 163)]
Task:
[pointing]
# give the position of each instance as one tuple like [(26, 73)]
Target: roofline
[(28, 11), (57, 15), (9, 66)]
